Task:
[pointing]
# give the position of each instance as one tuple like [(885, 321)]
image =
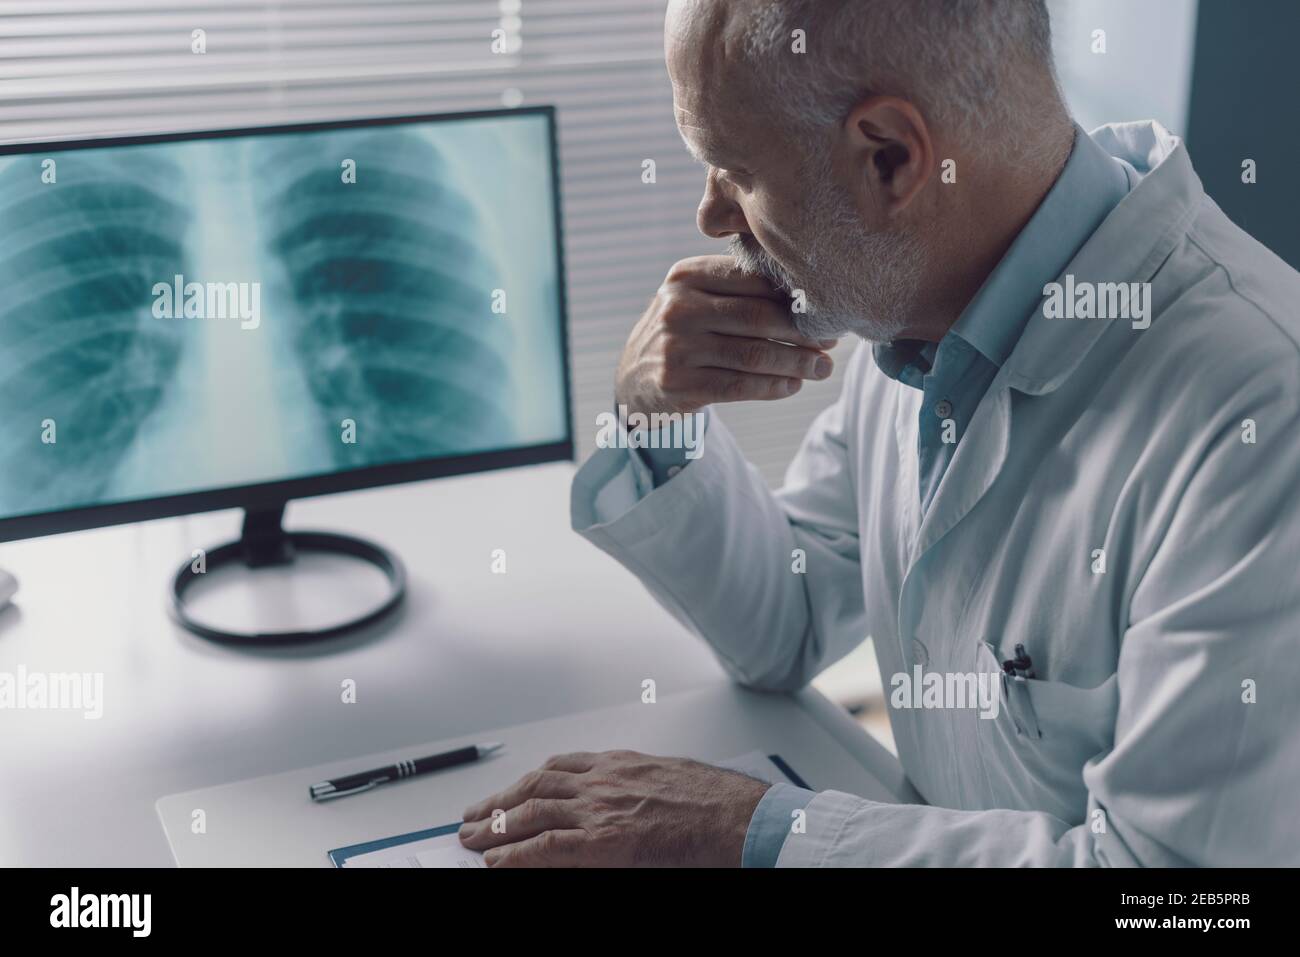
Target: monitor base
[(264, 542)]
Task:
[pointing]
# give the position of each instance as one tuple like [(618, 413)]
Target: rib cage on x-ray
[(392, 290), (78, 342)]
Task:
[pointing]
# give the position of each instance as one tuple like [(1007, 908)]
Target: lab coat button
[(943, 408)]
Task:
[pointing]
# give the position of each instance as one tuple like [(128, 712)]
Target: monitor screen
[(224, 310)]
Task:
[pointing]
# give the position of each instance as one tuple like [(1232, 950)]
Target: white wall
[(1146, 71)]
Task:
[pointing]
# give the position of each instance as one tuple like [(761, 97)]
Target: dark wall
[(1245, 104)]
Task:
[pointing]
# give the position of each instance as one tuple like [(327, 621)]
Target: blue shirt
[(954, 374)]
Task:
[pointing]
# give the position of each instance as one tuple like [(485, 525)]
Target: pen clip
[(1021, 666), (326, 791)]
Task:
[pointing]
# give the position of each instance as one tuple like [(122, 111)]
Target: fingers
[(534, 816), (723, 385), (714, 333), (575, 762), (759, 318), (762, 356), (534, 784), (720, 275), (549, 849)]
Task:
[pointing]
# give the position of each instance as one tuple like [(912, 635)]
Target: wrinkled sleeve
[(772, 581)]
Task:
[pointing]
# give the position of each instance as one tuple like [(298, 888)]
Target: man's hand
[(616, 809), (708, 337)]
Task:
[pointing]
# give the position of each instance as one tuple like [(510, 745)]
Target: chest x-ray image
[(228, 310)]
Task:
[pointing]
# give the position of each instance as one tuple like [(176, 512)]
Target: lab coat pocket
[(1019, 703), (1034, 748)]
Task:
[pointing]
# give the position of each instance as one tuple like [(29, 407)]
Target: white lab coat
[(1094, 435)]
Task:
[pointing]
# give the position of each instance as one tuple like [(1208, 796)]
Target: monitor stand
[(263, 543)]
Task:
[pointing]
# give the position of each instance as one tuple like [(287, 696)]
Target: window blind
[(85, 68)]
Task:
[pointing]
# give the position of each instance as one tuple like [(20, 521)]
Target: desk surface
[(271, 821), (565, 629)]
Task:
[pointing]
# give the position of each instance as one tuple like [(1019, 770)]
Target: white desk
[(565, 629)]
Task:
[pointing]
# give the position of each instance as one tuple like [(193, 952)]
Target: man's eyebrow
[(699, 154), (696, 153)]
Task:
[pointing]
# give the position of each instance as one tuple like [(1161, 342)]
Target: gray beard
[(854, 281)]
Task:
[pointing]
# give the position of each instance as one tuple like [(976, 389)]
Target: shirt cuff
[(663, 463), (664, 454), (771, 823)]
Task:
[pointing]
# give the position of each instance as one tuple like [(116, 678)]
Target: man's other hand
[(616, 809)]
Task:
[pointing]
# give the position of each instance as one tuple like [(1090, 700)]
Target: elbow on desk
[(787, 675)]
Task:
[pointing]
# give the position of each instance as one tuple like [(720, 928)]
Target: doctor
[(1069, 442)]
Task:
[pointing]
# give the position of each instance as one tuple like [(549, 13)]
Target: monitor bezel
[(271, 494)]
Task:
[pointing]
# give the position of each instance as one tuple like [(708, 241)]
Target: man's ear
[(890, 142)]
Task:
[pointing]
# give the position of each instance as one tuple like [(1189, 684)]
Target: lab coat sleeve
[(1205, 762), (771, 581)]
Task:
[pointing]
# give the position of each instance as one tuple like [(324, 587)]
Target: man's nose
[(719, 216)]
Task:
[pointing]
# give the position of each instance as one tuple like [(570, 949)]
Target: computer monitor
[(237, 318)]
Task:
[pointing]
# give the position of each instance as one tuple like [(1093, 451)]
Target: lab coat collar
[(1129, 246)]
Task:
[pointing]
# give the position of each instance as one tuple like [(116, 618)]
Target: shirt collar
[(1090, 186)]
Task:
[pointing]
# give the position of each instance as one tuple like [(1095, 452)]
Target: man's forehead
[(703, 139), (720, 124), (701, 45), (694, 22), (692, 124), (711, 87)]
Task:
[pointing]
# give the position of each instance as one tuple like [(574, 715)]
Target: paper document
[(436, 847), (444, 850)]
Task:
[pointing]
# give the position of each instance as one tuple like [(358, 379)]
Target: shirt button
[(673, 470), (943, 408)]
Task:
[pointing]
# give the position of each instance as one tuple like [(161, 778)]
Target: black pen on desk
[(356, 783)]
